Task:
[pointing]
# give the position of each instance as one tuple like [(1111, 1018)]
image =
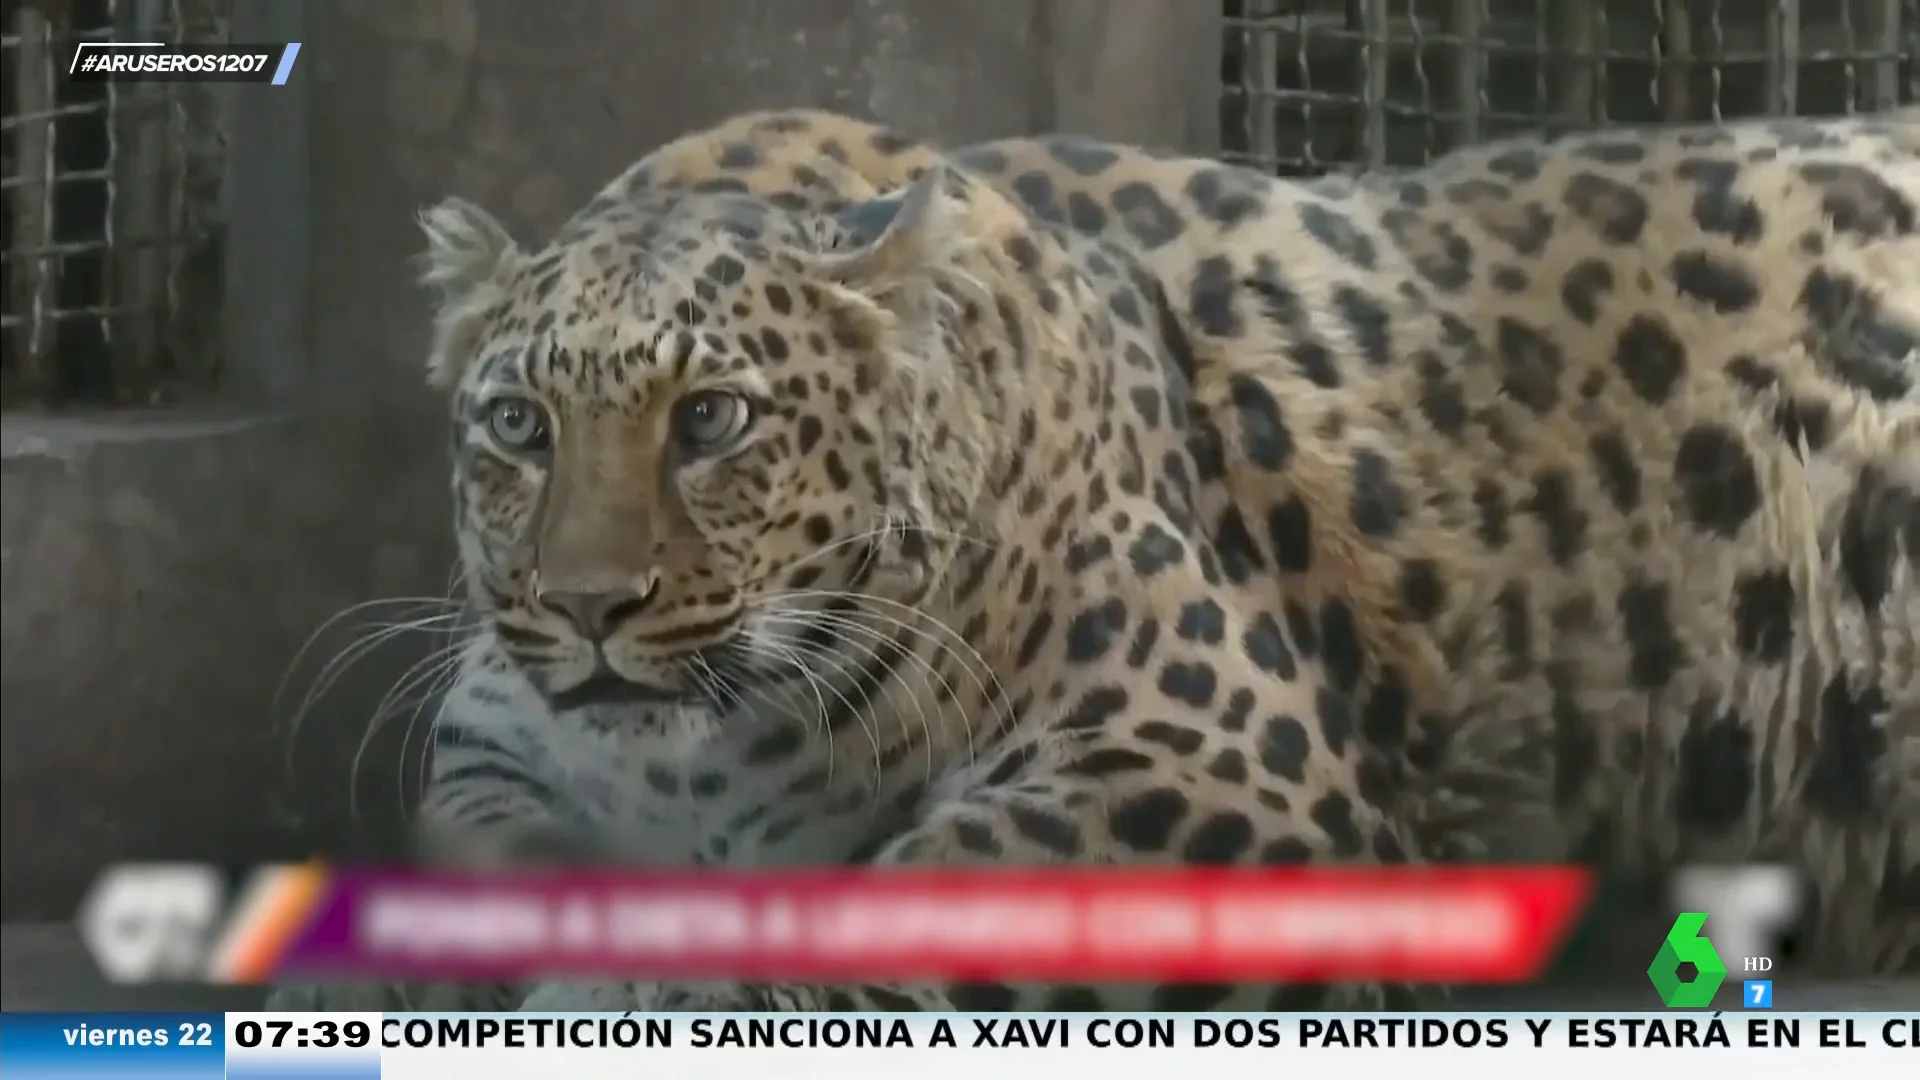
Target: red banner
[(1459, 926)]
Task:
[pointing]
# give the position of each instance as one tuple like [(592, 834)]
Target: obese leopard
[(1473, 446)]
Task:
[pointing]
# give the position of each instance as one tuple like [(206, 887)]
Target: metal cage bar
[(109, 209), (1320, 84)]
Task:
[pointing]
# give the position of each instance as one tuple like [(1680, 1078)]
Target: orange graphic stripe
[(279, 910)]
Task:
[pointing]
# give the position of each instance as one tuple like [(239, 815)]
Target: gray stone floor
[(42, 968)]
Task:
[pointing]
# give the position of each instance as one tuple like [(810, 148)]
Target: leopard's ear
[(466, 247), (897, 238), (469, 255)]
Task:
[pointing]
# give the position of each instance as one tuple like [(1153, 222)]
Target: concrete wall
[(160, 570)]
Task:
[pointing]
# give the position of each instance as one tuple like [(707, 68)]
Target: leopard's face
[(684, 434)]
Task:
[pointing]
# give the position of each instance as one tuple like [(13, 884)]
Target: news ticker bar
[(958, 1046), (156, 61)]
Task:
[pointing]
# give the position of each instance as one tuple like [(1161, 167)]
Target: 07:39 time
[(323, 1034)]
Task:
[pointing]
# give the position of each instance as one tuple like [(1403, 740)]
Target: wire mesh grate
[(1314, 85), (109, 210)]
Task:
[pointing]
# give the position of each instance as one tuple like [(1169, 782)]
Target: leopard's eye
[(708, 421), (519, 424)]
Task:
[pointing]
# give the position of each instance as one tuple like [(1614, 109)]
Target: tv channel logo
[(1685, 944)]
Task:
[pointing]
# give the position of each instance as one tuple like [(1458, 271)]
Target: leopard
[(1560, 496)]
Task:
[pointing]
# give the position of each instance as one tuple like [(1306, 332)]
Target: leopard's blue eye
[(708, 421), (518, 424)]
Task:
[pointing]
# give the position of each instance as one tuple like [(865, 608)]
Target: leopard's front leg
[(1255, 785), (491, 802), (529, 834)]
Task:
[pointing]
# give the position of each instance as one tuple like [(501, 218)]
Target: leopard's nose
[(596, 613)]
